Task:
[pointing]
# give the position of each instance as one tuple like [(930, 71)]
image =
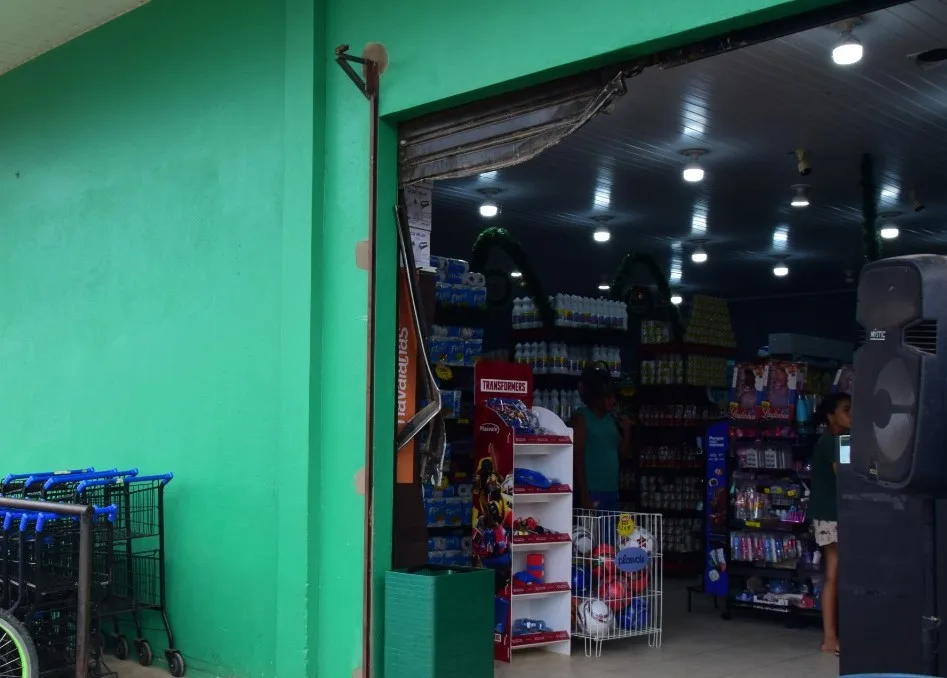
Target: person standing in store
[(601, 438), (835, 413)]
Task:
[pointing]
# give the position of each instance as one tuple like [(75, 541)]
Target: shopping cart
[(47, 586), (128, 554)]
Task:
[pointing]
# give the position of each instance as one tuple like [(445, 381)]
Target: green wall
[(156, 183), (181, 194)]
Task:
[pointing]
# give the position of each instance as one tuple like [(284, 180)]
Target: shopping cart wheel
[(17, 652), (175, 663), (121, 647), (145, 656)]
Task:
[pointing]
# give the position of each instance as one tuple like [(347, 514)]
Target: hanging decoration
[(496, 237), (870, 239), (633, 295)]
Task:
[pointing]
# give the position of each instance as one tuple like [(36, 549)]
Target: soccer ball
[(603, 560), (595, 618), (640, 538), (582, 542), (614, 592)]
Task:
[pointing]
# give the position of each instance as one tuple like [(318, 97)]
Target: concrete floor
[(695, 645)]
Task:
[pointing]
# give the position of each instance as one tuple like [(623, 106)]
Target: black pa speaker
[(899, 427)]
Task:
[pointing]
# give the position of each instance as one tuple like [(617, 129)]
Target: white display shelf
[(538, 497), (540, 546), (541, 594), (549, 644)]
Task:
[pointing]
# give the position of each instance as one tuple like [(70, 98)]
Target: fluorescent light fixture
[(676, 269), (848, 50), (699, 255), (602, 234), (781, 270), (889, 232), (800, 197), (677, 299), (489, 209), (516, 274), (699, 218), (602, 198)]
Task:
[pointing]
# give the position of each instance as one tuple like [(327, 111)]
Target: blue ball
[(635, 616), (580, 581)]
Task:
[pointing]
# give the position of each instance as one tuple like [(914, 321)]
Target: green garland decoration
[(870, 238), (496, 237), (620, 288)]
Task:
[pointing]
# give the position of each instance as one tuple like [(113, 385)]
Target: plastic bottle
[(560, 309), (542, 358), (518, 356), (554, 402)]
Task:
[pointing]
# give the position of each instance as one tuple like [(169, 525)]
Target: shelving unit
[(520, 530)]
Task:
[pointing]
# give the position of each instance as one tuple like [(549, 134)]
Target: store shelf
[(769, 525), (739, 569), (573, 335), (539, 639), (542, 590), (670, 471), (775, 608), (675, 513), (645, 351), (459, 316), (536, 497), (541, 542)]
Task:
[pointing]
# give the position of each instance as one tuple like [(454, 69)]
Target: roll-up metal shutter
[(504, 130)]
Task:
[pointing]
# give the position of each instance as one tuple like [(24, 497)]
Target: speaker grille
[(922, 336)]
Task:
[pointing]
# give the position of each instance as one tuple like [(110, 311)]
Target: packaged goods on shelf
[(682, 535), (561, 358), (675, 456), (457, 286), (777, 500), (449, 270), (655, 332), (663, 493), (454, 351), (709, 322), (563, 402), (676, 415), (758, 547)]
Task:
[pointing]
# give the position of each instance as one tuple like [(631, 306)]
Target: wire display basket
[(617, 577)]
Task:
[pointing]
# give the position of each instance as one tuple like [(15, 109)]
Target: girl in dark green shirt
[(835, 413)]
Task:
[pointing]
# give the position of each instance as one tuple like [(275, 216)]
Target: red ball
[(637, 582), (603, 560), (613, 591)]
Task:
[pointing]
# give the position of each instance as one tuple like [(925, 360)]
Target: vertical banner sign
[(406, 376), (716, 580)]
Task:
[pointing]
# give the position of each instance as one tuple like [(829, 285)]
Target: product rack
[(503, 510)]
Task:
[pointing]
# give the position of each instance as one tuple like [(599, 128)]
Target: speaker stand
[(930, 621)]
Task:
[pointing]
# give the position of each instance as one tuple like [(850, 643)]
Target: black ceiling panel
[(750, 109)]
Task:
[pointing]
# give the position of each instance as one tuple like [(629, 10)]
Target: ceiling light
[(780, 270), (489, 209), (604, 286), (699, 255), (889, 230), (800, 196), (848, 50), (602, 234), (516, 274), (693, 172), (677, 299)]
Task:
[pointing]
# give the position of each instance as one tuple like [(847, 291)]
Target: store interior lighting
[(889, 230), (800, 197), (848, 50), (781, 269), (677, 299), (699, 256), (602, 234), (516, 274), (693, 172), (489, 208), (604, 286)]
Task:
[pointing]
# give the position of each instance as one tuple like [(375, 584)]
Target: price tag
[(753, 523)]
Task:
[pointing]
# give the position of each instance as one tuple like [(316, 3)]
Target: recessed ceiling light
[(602, 234), (780, 270), (800, 197), (489, 208), (693, 172), (516, 274), (677, 299), (699, 255)]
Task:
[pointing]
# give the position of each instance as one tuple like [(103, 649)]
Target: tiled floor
[(695, 645)]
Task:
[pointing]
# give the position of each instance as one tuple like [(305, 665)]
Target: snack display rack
[(522, 510)]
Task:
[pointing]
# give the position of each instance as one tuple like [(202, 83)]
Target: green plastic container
[(439, 623)]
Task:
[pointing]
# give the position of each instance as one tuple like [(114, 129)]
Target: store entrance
[(693, 228)]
